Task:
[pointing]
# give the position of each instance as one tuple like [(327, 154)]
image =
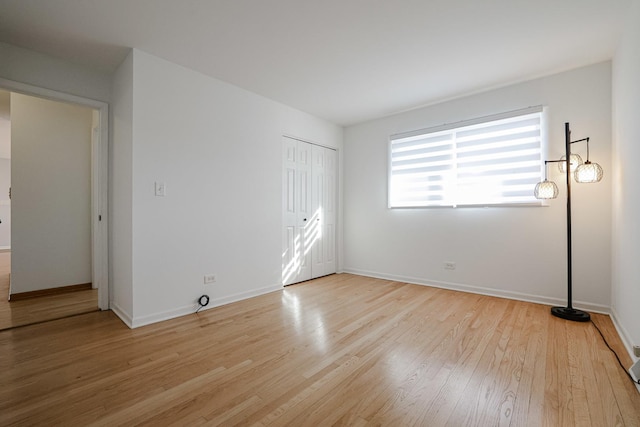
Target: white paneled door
[(296, 198), (308, 197), (323, 195)]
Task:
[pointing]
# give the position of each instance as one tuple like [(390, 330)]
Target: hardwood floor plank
[(576, 365), (447, 369), (599, 356), (341, 350), (352, 389), (403, 364), (552, 376), (529, 396), (624, 392), (48, 306), (480, 389), (170, 397)]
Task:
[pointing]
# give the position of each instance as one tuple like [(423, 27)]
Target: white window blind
[(490, 161)]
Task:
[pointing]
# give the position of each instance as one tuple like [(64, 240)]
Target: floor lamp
[(582, 172)]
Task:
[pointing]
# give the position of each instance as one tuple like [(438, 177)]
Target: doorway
[(309, 211), (60, 222)]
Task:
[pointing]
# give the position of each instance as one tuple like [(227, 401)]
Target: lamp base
[(570, 314)]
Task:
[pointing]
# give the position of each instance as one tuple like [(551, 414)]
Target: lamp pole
[(569, 312), (567, 147)]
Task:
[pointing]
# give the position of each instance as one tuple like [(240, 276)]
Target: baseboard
[(162, 316), (122, 314), (624, 335), (191, 308), (627, 342), (635, 374), (519, 296), (51, 291)]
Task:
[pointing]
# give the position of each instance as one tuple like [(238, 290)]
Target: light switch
[(161, 189)]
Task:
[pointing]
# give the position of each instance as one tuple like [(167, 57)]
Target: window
[(493, 160)]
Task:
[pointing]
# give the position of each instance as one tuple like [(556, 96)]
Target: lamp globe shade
[(546, 190), (588, 172), (574, 159)]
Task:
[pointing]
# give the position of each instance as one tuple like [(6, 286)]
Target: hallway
[(43, 308)]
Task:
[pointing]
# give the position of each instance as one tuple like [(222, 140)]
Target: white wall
[(51, 194), (217, 148), (626, 181), (120, 195), (514, 252), (26, 66)]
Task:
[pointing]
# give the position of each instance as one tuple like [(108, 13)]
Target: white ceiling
[(347, 61)]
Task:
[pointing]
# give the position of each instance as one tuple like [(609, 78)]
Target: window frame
[(541, 109)]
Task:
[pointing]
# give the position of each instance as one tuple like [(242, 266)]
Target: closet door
[(296, 199), (323, 206), (308, 196)]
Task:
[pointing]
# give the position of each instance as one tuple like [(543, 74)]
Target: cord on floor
[(615, 354)]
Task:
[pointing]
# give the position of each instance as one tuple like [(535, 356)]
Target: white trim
[(50, 94), (624, 335), (100, 201), (191, 309), (123, 315), (626, 340), (519, 296)]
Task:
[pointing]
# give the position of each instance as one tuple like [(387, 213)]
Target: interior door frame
[(99, 180)]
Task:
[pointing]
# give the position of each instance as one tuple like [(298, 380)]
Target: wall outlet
[(449, 265), (209, 278), (636, 350)]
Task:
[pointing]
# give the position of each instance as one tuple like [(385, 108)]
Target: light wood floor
[(341, 350), (34, 310)]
